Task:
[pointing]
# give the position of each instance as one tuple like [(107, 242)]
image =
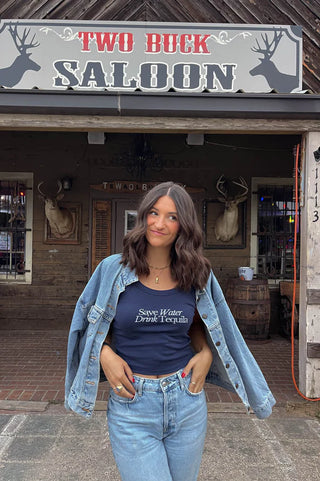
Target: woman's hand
[(117, 372), (199, 364)]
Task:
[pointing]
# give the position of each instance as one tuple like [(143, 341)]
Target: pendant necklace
[(158, 269)]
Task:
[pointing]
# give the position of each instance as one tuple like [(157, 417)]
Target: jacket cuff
[(265, 410)]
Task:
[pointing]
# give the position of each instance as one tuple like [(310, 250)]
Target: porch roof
[(166, 104)]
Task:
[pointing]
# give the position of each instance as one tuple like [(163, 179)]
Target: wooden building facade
[(106, 186), (102, 151)]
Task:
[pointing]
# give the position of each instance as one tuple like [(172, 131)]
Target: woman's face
[(162, 223)]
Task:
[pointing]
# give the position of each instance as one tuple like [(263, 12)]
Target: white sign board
[(151, 57)]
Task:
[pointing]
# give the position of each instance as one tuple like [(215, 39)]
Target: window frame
[(255, 183), (27, 179)]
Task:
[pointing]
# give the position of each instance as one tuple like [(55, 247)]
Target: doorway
[(112, 218)]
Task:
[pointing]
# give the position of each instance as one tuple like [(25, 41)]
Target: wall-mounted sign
[(152, 57), (132, 187), (124, 186)]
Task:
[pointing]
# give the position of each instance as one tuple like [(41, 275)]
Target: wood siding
[(101, 231), (294, 12)]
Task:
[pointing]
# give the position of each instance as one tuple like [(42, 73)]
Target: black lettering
[(66, 73), (119, 76), (153, 75), (224, 74), (93, 75), (186, 76)]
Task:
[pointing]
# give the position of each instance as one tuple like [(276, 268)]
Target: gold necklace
[(158, 269)]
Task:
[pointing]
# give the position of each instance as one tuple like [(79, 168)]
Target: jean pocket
[(194, 394), (123, 400)]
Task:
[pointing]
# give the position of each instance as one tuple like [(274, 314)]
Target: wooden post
[(309, 315)]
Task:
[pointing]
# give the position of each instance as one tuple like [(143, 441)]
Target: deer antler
[(32, 44), (59, 186), (39, 190), (23, 46), (243, 184), (270, 47), (220, 186), (59, 183)]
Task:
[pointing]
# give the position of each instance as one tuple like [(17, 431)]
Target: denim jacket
[(233, 366)]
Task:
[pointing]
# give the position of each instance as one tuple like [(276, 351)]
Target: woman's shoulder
[(111, 261)]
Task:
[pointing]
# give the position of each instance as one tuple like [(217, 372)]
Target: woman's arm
[(117, 370), (200, 363)]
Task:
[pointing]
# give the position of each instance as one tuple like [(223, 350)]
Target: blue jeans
[(159, 435)]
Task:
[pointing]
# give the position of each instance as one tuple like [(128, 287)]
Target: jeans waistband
[(161, 384)]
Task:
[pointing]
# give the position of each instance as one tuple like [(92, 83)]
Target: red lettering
[(85, 37), (200, 45), (170, 42), (153, 42), (106, 41), (184, 48), (125, 42)]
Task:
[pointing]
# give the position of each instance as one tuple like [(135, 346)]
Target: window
[(273, 218), (15, 227), (130, 220)]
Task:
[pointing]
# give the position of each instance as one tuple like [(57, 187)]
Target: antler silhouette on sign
[(277, 80), (227, 224), (12, 75), (61, 220)]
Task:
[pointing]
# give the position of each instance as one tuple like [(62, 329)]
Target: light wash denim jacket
[(233, 366)]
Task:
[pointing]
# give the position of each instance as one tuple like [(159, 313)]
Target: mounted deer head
[(227, 224), (61, 219)]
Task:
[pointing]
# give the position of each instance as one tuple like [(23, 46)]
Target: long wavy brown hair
[(189, 267)]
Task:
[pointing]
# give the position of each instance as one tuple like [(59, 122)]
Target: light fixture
[(96, 138), (195, 139), (139, 158), (66, 183)]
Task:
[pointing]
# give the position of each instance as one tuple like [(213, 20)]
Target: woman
[(158, 319)]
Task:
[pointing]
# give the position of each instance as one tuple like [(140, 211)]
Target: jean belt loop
[(139, 385), (182, 384)]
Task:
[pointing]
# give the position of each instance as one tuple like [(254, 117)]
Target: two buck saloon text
[(186, 58)]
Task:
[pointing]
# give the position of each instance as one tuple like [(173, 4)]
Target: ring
[(192, 382), (118, 388)]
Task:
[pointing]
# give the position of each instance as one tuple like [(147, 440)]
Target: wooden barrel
[(249, 302)]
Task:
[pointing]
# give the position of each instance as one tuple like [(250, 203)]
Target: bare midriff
[(153, 377)]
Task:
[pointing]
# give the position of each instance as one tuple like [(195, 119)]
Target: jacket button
[(204, 316), (227, 366), (218, 343), (237, 385)]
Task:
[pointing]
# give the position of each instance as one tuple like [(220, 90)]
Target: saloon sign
[(152, 57)]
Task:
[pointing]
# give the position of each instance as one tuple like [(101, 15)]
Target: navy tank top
[(150, 328)]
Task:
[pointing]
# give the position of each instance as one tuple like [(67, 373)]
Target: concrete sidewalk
[(55, 446), (39, 441)]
